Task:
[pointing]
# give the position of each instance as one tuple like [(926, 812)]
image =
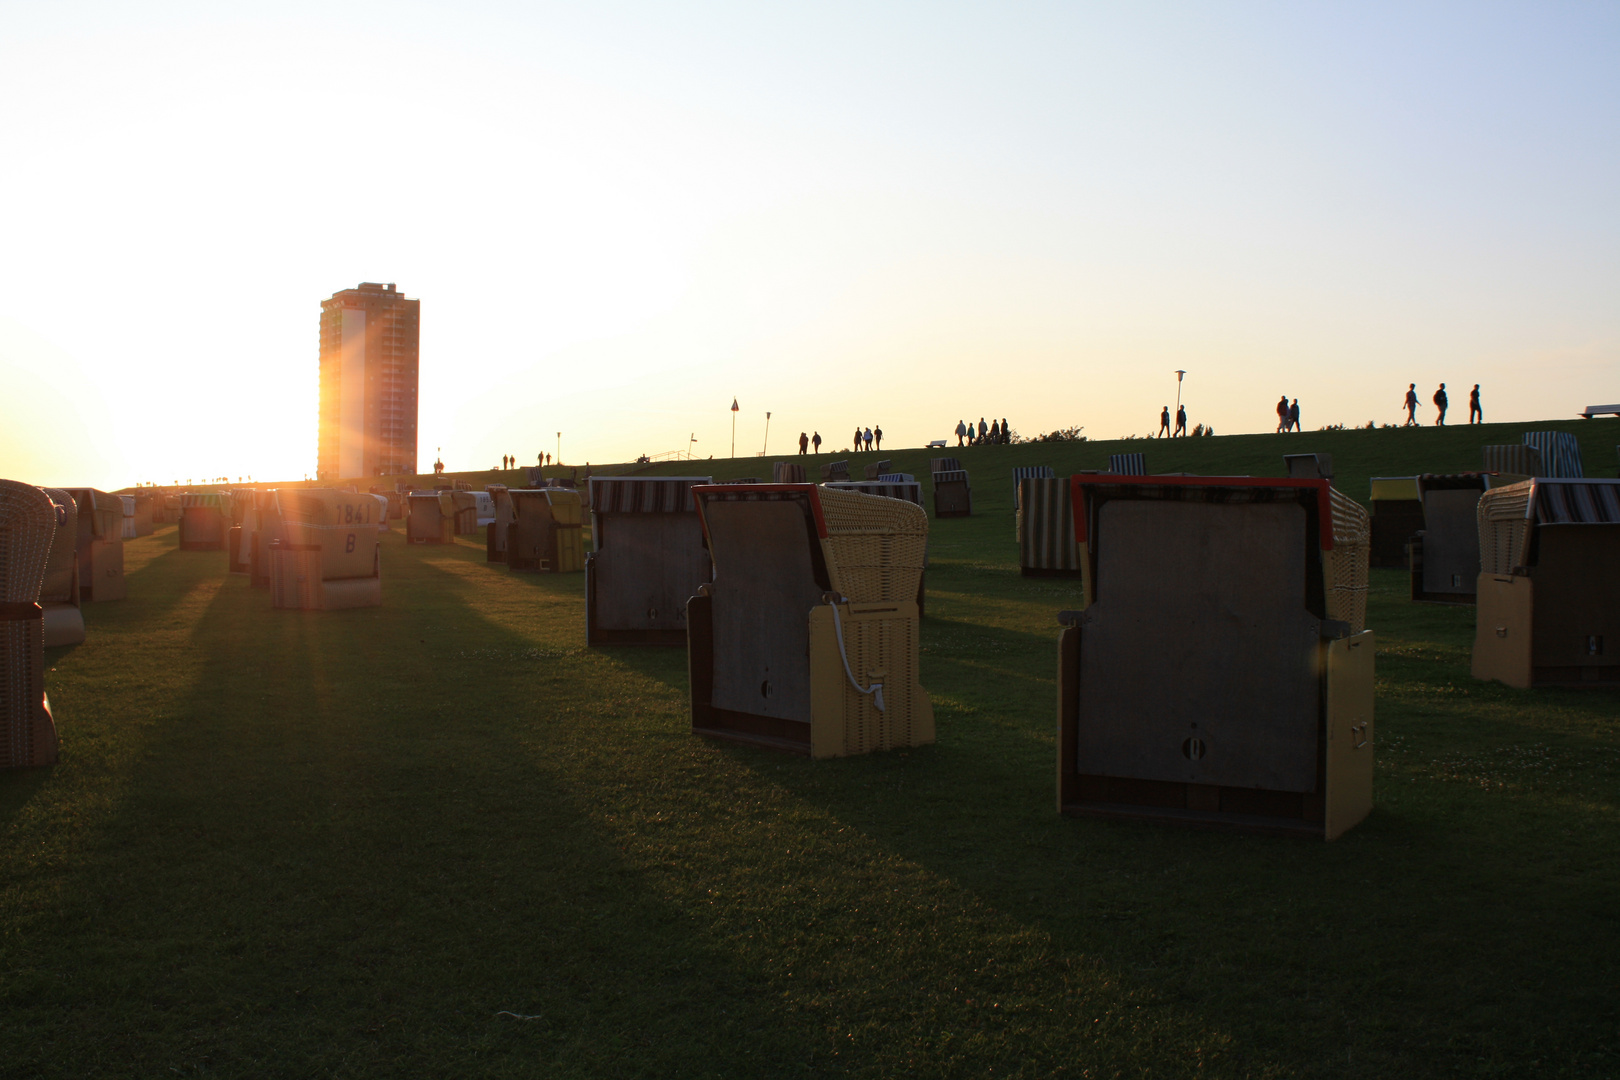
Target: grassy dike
[(442, 837)]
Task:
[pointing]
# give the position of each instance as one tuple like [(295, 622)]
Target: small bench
[(1600, 410)]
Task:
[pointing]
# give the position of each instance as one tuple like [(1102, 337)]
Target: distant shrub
[(1198, 430), (1331, 427), (1068, 434)]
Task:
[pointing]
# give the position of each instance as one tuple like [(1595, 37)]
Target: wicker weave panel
[(875, 548), (890, 645), (27, 525), (1345, 568), (909, 490), (1504, 527)]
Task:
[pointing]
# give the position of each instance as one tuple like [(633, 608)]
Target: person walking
[(1006, 431), (1181, 421), (961, 432), (1164, 423), (1293, 415), (983, 431), (1473, 406), (1282, 414), (1440, 404), (877, 433), (804, 444), (857, 447), (1411, 405), (869, 439), (815, 441), (995, 433)]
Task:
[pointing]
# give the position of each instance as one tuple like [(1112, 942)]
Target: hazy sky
[(619, 216)]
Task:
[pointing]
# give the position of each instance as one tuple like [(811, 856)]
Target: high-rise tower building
[(368, 383)]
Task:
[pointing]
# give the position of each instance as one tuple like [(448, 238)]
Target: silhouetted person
[(995, 432), (1411, 404), (815, 440), (857, 438), (868, 438), (877, 433), (1440, 404), (1293, 415), (1473, 407), (1006, 431), (1164, 423), (983, 431), (961, 432), (1181, 420), (1282, 413), (804, 444)]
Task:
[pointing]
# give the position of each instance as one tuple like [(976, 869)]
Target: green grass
[(353, 843)]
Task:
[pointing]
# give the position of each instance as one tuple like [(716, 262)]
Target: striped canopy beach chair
[(28, 520), (1549, 585), (649, 559), (807, 638), (953, 494), (59, 594), (1444, 554)]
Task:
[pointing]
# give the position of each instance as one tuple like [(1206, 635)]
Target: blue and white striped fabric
[(1591, 502), (1029, 472), (644, 494), (907, 489), (1127, 465), (1560, 453)]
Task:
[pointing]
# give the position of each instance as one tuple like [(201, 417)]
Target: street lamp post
[(558, 459), (1179, 374), (763, 449), (733, 427)]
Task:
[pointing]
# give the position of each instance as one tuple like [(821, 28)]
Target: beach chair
[(1221, 674), (240, 514), (495, 533), (649, 559), (741, 480), (1444, 554), (1560, 453), (427, 522), (28, 520), (1309, 466), (328, 558), (875, 470), (1512, 462), (1127, 464), (546, 532), (807, 638), (100, 545), (1549, 586), (953, 495), (1397, 516), (787, 472), (267, 530), (834, 472), (1029, 472), (1045, 520), (62, 617), (202, 521)]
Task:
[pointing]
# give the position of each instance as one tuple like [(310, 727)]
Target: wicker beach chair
[(328, 558), (876, 470), (267, 531), (495, 533), (742, 480), (1444, 554), (807, 639), (546, 535), (1045, 519), (1549, 585), (1221, 674), (145, 507), (1560, 453), (1397, 516), (27, 524), (426, 522), (953, 494), (834, 472), (63, 620), (788, 472), (100, 545), (1309, 466), (203, 521), (242, 516), (649, 559)]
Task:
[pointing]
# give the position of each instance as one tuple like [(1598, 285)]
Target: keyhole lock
[(766, 689), (1193, 749)]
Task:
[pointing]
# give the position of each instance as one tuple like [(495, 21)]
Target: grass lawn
[(442, 837)]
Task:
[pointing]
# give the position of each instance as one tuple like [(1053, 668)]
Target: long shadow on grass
[(337, 860)]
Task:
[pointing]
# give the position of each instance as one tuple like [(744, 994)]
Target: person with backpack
[(1440, 404)]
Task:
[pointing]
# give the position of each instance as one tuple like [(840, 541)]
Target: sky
[(620, 216)]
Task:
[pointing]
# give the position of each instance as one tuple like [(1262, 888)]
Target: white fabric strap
[(876, 689)]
